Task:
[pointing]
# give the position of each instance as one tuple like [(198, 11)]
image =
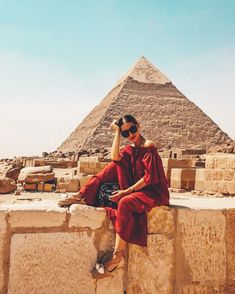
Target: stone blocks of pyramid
[(165, 114)]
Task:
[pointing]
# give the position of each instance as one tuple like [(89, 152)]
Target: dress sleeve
[(124, 152), (154, 173)]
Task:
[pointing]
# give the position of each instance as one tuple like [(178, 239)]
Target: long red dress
[(130, 218)]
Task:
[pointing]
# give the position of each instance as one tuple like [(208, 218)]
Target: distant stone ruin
[(166, 115)]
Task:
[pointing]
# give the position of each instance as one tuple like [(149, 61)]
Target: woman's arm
[(121, 193), (115, 155)]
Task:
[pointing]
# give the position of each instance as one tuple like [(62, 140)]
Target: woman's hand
[(117, 195), (114, 125)]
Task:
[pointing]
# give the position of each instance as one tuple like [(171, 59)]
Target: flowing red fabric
[(130, 218)]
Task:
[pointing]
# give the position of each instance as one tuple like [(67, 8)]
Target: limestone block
[(84, 180), (220, 186), (36, 178), (230, 240), (161, 220), (64, 172), (210, 161), (30, 187), (200, 248), (86, 216), (231, 187), (208, 185), (52, 263), (199, 179), (3, 229), (33, 170), (150, 270), (38, 214), (231, 161), (217, 174), (69, 184), (203, 289), (229, 174), (221, 161), (208, 174), (7, 185), (48, 187), (183, 178), (111, 285)]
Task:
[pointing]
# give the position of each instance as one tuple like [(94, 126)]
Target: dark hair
[(125, 119)]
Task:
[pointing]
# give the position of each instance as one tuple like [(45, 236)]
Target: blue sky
[(59, 58)]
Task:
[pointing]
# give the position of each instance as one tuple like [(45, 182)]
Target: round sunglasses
[(132, 130)]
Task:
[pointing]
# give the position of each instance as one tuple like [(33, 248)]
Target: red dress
[(130, 218)]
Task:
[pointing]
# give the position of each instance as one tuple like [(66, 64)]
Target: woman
[(143, 185)]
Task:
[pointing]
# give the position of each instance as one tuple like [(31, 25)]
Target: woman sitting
[(137, 168)]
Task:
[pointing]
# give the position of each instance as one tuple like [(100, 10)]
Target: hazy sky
[(59, 58)]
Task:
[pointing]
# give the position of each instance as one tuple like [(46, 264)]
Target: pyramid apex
[(144, 71)]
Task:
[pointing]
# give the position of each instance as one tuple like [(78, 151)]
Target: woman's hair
[(125, 119)]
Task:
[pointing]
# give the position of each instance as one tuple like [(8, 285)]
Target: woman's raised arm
[(115, 155)]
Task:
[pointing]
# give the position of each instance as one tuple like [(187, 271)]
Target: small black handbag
[(106, 190)]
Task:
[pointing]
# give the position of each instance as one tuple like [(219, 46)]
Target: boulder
[(7, 185), (13, 173), (34, 170)]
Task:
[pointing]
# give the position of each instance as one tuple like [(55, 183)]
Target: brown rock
[(13, 173), (7, 185)]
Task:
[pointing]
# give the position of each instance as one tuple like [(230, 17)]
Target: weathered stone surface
[(151, 270), (162, 106), (13, 173), (183, 178), (199, 179), (203, 289), (230, 240), (201, 249), (34, 170), (69, 184), (87, 216), (38, 214), (3, 227), (52, 263), (7, 185), (161, 220), (111, 285), (36, 178)]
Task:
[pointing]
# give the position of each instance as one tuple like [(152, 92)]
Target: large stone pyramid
[(165, 114)]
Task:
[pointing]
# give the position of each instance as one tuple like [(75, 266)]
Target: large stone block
[(199, 179), (68, 184), (52, 263), (210, 161), (87, 216), (37, 178), (3, 230), (7, 185), (111, 285), (230, 240), (161, 220), (183, 178), (151, 269), (200, 249), (231, 187), (38, 214), (33, 170)]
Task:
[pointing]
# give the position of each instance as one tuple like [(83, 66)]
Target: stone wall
[(219, 174), (47, 249)]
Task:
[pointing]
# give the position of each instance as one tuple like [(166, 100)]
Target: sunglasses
[(132, 130)]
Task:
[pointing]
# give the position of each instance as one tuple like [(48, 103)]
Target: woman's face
[(132, 137)]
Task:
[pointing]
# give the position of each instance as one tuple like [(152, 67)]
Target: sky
[(59, 58)]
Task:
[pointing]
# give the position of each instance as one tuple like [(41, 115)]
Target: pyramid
[(165, 114)]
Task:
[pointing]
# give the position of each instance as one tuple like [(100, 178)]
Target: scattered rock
[(7, 185)]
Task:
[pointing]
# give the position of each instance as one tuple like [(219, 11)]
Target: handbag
[(105, 191)]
